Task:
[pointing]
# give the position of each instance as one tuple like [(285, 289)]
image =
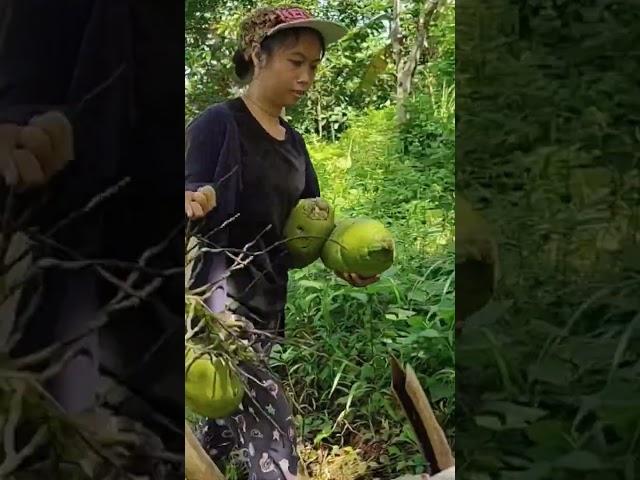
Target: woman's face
[(291, 70)]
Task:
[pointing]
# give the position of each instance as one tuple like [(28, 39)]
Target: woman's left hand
[(356, 280)]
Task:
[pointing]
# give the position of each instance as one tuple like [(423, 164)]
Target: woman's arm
[(211, 163), (212, 160), (203, 142)]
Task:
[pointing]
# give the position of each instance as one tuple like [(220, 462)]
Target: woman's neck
[(266, 114), (266, 109)]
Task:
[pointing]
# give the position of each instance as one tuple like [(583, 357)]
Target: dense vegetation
[(548, 376), (335, 361)]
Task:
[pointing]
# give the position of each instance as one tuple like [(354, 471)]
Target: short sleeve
[(204, 137), (311, 184), (211, 158)]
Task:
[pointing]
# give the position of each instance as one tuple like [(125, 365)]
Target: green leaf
[(377, 65), (363, 297), (489, 421), (550, 433), (312, 284), (580, 460), (551, 370), (515, 416)]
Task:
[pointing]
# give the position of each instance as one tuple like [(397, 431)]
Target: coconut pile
[(358, 245)]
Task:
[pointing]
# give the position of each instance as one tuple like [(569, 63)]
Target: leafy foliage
[(344, 373), (548, 373)]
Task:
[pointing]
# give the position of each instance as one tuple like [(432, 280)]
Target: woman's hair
[(244, 68)]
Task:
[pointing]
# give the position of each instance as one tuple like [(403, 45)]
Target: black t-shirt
[(258, 180)]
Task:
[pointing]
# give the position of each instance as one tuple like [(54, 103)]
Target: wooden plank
[(198, 465), (437, 437), (417, 409)]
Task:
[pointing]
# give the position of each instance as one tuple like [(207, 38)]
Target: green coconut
[(307, 228), (359, 245), (212, 389)]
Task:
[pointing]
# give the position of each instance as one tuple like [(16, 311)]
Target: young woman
[(259, 168)]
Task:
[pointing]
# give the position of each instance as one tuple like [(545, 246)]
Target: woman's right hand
[(31, 154), (198, 204)]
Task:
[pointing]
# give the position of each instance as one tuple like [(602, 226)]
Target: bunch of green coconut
[(360, 245), (216, 344), (213, 380)]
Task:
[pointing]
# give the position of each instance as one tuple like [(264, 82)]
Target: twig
[(45, 263), (15, 410), (6, 235), (99, 88), (21, 321), (93, 202), (12, 463), (30, 380), (115, 304), (12, 458)]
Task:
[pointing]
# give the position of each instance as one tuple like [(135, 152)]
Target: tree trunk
[(406, 68), (396, 34)]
